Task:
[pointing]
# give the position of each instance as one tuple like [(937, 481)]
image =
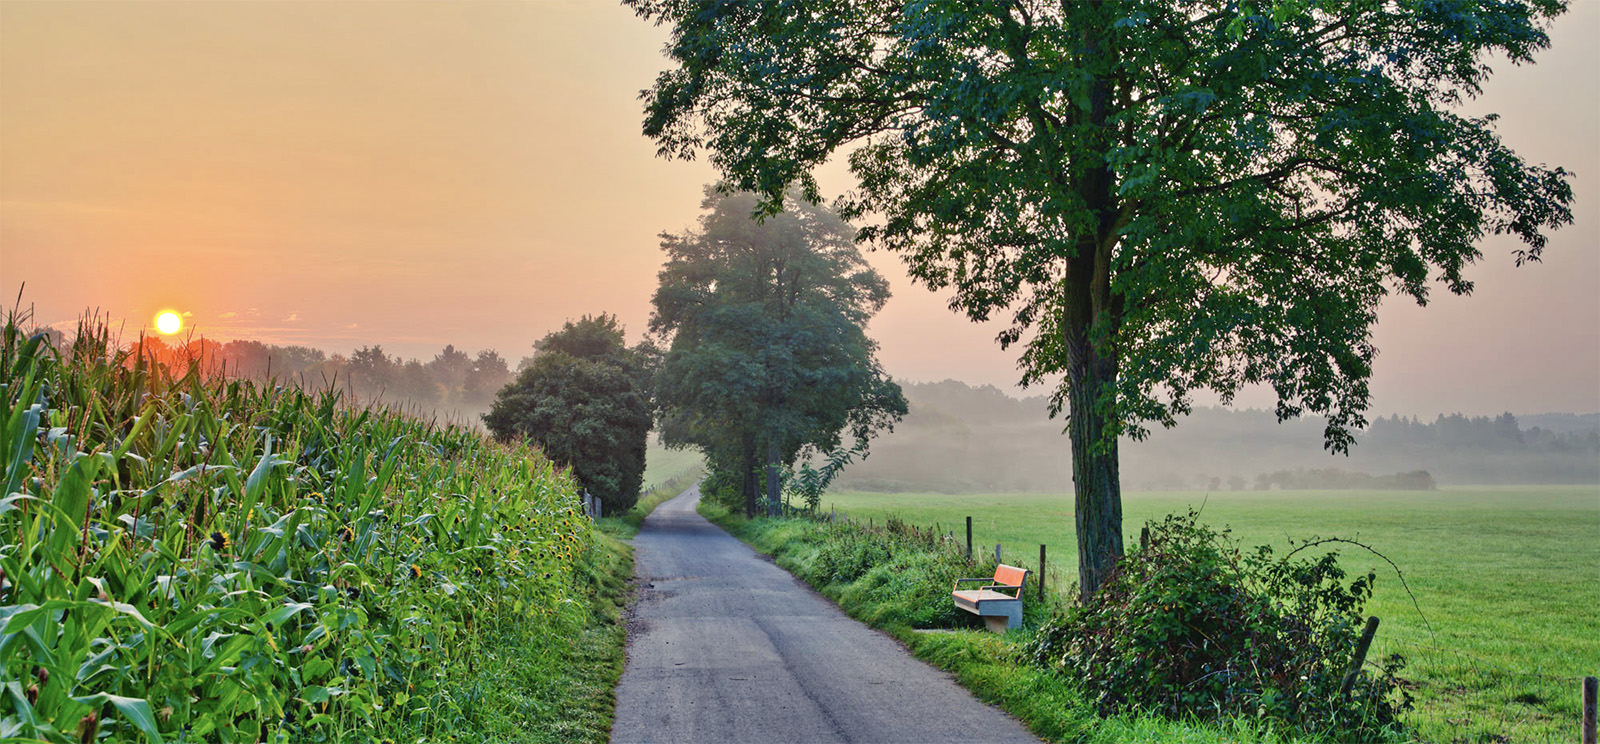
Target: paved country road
[(726, 647)]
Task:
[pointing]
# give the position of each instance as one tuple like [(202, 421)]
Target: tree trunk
[(1096, 483), (774, 461), (748, 479)]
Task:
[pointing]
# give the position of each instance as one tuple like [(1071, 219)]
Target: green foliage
[(549, 682), (197, 559), (585, 401), (1233, 186), (1163, 196), (768, 357), (1192, 626), (889, 574)]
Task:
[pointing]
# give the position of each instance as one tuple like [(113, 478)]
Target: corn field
[(192, 559)]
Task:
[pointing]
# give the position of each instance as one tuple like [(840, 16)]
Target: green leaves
[(134, 710), (766, 321), (198, 558), (585, 401), (1157, 197), (1193, 195)]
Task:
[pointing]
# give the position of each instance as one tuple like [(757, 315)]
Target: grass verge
[(897, 579), (520, 687)]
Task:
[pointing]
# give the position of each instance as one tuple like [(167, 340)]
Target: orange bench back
[(1009, 575)]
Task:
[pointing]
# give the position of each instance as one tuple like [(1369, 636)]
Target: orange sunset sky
[(420, 173)]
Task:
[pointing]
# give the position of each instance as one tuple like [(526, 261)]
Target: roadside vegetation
[(1502, 574), (192, 558), (1274, 676)]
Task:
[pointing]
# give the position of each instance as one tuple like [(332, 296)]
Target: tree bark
[(1096, 482), (748, 479), (774, 461)]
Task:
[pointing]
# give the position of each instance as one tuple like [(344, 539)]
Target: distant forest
[(960, 438), (452, 386)]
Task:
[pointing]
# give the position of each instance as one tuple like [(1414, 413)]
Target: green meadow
[(1505, 580)]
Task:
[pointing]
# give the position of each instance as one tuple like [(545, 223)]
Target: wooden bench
[(998, 602)]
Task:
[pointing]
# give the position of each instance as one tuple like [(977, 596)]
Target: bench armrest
[(1016, 591), (959, 581)]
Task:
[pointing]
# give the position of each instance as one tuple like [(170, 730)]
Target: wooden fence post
[(1360, 658), (1144, 537), (997, 553), (969, 539), (1590, 685), (1041, 573)]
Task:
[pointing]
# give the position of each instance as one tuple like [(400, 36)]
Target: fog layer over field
[(959, 438)]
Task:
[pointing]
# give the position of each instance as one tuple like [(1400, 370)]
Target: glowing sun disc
[(168, 322)]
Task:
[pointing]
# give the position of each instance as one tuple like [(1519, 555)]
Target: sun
[(168, 322)]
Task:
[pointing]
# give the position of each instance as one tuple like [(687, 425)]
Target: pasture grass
[(662, 465), (1505, 576)]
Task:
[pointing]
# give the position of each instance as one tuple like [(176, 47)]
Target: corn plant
[(186, 558)]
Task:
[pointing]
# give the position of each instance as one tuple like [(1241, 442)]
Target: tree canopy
[(585, 400), (1157, 196), (768, 356)]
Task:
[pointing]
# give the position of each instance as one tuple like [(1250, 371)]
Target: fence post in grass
[(1041, 573), (1144, 537), (969, 539), (1360, 658), (997, 553), (1590, 691)]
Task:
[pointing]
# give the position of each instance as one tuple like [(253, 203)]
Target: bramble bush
[(1192, 626)]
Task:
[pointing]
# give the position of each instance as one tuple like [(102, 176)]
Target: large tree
[(584, 399), (768, 357), (1161, 195)]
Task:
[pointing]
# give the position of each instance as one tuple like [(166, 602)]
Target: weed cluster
[(1192, 626), (210, 560)]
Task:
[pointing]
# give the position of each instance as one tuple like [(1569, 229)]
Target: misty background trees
[(767, 359), (454, 385), (960, 438)]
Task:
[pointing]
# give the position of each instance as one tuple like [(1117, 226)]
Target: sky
[(414, 174)]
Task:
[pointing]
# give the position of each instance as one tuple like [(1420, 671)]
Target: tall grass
[(198, 559)]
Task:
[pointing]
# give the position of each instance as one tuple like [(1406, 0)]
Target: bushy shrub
[(848, 554), (1192, 626)]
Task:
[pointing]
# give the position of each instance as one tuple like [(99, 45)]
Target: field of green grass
[(1507, 577), (662, 464)]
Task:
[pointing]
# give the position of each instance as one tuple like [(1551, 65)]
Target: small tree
[(584, 400)]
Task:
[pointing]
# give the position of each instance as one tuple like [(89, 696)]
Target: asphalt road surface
[(724, 646)]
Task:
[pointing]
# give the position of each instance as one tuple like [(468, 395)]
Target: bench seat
[(998, 602)]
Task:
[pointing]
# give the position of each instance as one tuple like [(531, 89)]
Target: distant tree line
[(453, 384), (959, 438), (1343, 480)]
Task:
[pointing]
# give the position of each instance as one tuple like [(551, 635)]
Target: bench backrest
[(1010, 575)]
